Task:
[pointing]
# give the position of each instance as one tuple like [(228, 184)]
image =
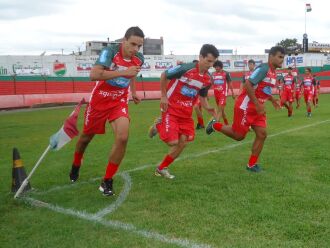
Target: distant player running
[(251, 66), (308, 84), (288, 87), (115, 70), (198, 110), (181, 86), (249, 107), (221, 84), (297, 92)]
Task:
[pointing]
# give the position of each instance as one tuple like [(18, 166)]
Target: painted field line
[(190, 156), (116, 224)]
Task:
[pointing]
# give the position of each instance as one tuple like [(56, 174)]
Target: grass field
[(213, 201)]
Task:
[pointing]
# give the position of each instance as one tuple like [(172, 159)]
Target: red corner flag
[(68, 131)]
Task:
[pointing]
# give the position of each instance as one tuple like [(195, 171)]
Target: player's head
[(133, 40), (251, 64), (218, 66), (207, 56), (289, 70), (276, 56), (308, 71), (195, 61)]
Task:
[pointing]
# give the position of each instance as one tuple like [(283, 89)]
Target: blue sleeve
[(106, 57), (178, 71), (258, 75)]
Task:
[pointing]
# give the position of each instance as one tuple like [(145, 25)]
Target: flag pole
[(305, 18), (26, 181)]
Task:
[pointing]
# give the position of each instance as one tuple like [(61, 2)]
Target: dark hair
[(134, 31), (308, 69), (218, 63), (195, 60), (208, 48), (276, 49), (289, 68), (251, 61)]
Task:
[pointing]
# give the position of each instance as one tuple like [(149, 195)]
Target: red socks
[(225, 121), (253, 160), (166, 162), (77, 159), (111, 170), (309, 110), (217, 126), (200, 121)]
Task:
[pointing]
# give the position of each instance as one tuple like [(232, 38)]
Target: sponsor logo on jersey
[(120, 82), (189, 92)]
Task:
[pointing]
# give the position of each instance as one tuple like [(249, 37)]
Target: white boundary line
[(116, 224), (98, 217)]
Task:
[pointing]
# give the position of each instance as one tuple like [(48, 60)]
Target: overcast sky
[(34, 26)]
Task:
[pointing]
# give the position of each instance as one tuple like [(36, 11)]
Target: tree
[(290, 45)]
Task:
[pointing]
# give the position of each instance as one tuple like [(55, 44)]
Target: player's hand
[(136, 99), (260, 109), (163, 103), (132, 71), (276, 104)]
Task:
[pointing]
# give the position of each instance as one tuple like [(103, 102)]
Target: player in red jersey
[(115, 70), (181, 86), (308, 85), (288, 87), (249, 107), (317, 88), (251, 65), (221, 79), (297, 92)]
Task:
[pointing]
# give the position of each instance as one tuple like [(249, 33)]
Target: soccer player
[(317, 88), (287, 95), (308, 85), (249, 107), (298, 90), (115, 70), (180, 88), (251, 65), (221, 79)]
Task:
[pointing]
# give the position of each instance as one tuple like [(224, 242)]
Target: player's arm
[(275, 103), (100, 70), (135, 98), (204, 102), (256, 77)]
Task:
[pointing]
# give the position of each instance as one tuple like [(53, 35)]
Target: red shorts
[(298, 94), (220, 98), (172, 127), (287, 96), (246, 116), (94, 122), (308, 96)]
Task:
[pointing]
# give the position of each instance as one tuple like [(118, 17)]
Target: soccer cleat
[(153, 129), (209, 127), (106, 187), (199, 126), (74, 173), (255, 168), (164, 173), (309, 114)]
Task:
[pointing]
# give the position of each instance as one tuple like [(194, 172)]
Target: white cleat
[(164, 173)]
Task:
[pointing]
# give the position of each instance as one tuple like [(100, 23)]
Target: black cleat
[(255, 168), (199, 126), (209, 127), (106, 187), (74, 173)]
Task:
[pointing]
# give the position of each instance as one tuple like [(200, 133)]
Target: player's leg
[(224, 116), (257, 146), (81, 145), (120, 128), (176, 148), (199, 114)]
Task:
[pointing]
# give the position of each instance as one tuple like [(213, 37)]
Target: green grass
[(212, 201)]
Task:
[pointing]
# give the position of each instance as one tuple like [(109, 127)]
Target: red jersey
[(185, 86), (220, 80), (288, 82), (109, 93), (308, 83)]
